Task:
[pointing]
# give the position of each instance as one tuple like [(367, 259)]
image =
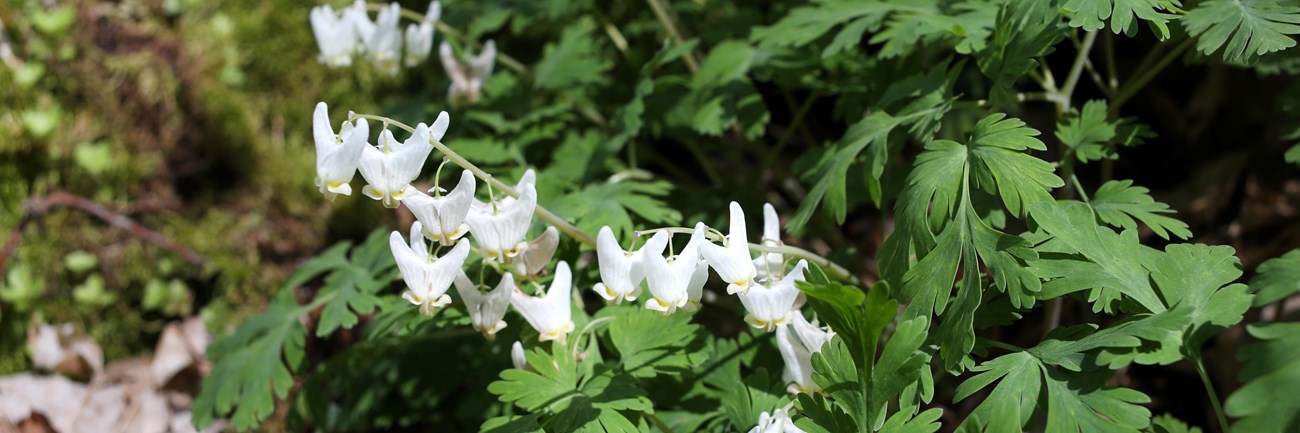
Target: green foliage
[(1074, 401), (573, 61), (1092, 137), (1271, 375), (1024, 32), (1092, 15), (1244, 29), (260, 357), (1276, 279), (1121, 204), (860, 383), (938, 197)]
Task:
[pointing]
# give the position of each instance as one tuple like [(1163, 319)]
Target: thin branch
[(39, 206), (662, 13)]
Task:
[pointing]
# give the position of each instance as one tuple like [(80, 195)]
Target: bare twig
[(39, 206)]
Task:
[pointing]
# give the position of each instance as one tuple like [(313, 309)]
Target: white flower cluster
[(777, 421), (498, 226), (766, 290), (349, 31)]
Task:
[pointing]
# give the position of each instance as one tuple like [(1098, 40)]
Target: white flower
[(486, 309), (621, 272), (467, 78), (797, 341), (419, 36), (770, 265), (500, 228), (549, 314), (443, 216), (427, 278), (771, 306), (384, 43), (537, 254), (518, 358), (778, 421), (389, 167), (362, 26), (335, 35), (732, 260), (669, 279), (337, 155), (695, 288)]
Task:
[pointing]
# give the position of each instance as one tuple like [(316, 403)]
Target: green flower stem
[(1214, 396), (542, 212), (830, 267), (659, 424), (662, 13), (1130, 89)]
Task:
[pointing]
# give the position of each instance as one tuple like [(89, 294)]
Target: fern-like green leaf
[(1092, 15), (1120, 204), (1276, 279), (1244, 29), (1271, 377)]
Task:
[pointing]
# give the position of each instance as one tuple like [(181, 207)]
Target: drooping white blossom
[(770, 265), (337, 155), (778, 421), (797, 341), (772, 305), (500, 227), (537, 254), (419, 36), (669, 278), (621, 272), (427, 277), (731, 260), (467, 77), (695, 288), (443, 215), (549, 314), (390, 166), (336, 36), (384, 42), (361, 24), (518, 358), (486, 310)]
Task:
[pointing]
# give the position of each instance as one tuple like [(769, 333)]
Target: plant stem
[(542, 212), (1072, 80), (654, 420), (1214, 396), (790, 129), (1131, 88), (665, 19), (1001, 345), (830, 267)]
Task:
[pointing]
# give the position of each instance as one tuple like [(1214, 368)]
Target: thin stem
[(790, 130), (1112, 82), (661, 13), (1079, 188), (1131, 88), (542, 212), (1214, 396), (437, 177), (1063, 95), (835, 270), (1001, 345), (654, 420)]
